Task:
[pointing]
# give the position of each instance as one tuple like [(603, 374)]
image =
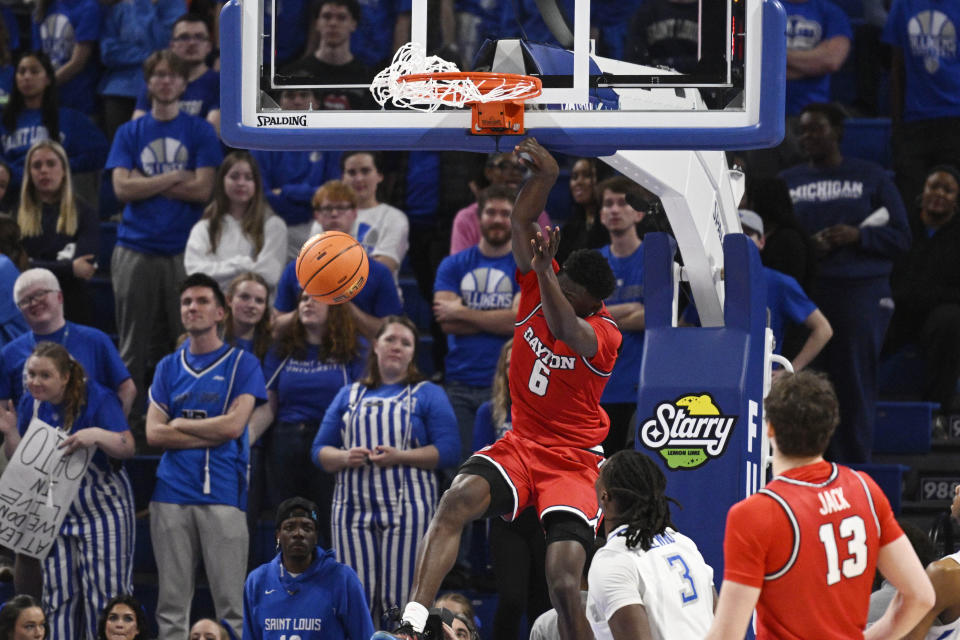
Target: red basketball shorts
[(552, 479)]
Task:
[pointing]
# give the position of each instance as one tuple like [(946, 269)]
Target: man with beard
[(473, 303), (303, 590)]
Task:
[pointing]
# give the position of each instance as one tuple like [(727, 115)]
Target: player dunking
[(804, 548), (565, 345)]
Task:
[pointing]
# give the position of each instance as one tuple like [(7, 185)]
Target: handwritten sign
[(37, 489)]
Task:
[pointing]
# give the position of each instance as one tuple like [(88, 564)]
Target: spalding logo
[(688, 431), (279, 121)]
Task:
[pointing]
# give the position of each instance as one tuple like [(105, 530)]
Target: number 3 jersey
[(555, 392), (810, 541), (670, 579)]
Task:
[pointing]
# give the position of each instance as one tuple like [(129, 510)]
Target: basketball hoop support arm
[(700, 197)]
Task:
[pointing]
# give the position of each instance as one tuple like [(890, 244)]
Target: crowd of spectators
[(111, 113)]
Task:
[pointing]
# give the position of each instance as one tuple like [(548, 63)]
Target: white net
[(429, 94)]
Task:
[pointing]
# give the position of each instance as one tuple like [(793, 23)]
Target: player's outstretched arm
[(899, 564), (562, 319), (532, 198), (944, 575), (734, 611)]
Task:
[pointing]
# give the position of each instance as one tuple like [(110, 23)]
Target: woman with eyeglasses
[(238, 231), (60, 232), (92, 556)]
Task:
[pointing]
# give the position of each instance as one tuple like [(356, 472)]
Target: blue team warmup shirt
[(160, 225), (926, 32), (808, 24), (90, 347), (204, 386), (199, 98), (306, 386), (101, 409), (325, 602), (847, 194), (433, 421), (484, 284), (67, 24), (623, 382), (378, 297)]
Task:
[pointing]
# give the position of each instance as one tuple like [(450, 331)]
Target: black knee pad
[(566, 526)]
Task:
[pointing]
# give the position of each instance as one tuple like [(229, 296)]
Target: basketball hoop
[(414, 81)]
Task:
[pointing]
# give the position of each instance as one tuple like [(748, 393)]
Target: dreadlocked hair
[(75, 395), (636, 484)]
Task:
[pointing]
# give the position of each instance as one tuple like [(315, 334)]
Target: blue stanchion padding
[(700, 393)]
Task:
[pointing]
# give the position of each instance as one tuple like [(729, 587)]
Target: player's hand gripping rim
[(544, 246)]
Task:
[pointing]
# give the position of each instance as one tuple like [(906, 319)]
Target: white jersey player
[(648, 581)]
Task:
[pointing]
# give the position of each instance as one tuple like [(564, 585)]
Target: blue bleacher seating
[(903, 427), (414, 305), (889, 477), (869, 139), (108, 238)]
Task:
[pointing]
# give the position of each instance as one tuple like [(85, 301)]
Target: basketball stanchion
[(332, 267)]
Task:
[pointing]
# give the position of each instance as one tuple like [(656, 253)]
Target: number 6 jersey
[(555, 392), (810, 541)]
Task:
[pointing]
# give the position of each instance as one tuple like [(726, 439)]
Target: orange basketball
[(332, 267)]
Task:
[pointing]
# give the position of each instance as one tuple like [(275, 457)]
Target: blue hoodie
[(325, 602)]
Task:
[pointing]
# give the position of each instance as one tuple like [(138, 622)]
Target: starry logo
[(688, 432), (933, 37)]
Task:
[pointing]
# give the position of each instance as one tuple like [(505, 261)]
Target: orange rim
[(483, 80)]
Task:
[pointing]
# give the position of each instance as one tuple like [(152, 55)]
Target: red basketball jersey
[(554, 392), (810, 540)]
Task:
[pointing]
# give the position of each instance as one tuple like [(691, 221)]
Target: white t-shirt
[(671, 580), (389, 231)]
